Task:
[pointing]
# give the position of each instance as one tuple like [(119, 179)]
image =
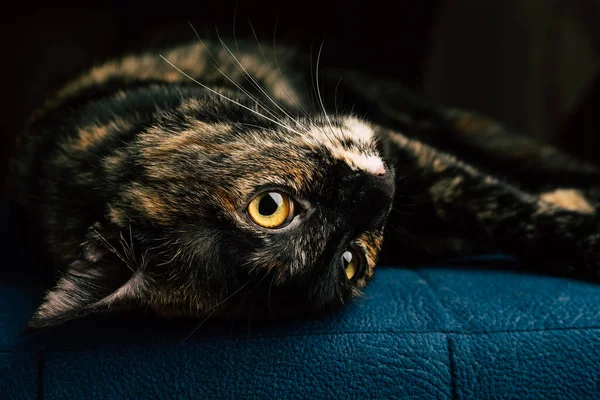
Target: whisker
[(276, 64), (131, 244), (402, 212), (269, 296), (258, 86), (237, 85), (277, 61), (213, 310), (312, 77), (198, 327), (216, 63), (127, 250), (319, 89), (335, 95), (234, 17), (398, 229), (250, 318), (177, 254), (113, 250), (227, 98), (202, 42)]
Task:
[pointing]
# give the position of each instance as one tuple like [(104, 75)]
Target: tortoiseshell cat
[(203, 181)]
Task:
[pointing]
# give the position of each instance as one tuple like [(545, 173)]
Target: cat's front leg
[(563, 227)]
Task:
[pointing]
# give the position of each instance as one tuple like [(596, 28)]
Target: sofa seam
[(449, 316), (452, 368)]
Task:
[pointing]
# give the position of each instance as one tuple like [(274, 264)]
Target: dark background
[(43, 47)]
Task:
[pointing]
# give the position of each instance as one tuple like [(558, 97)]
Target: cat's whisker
[(127, 249), (320, 98), (144, 260), (252, 307), (177, 254), (198, 327), (227, 98), (216, 65), (258, 103), (269, 296), (312, 78), (234, 18), (276, 64), (311, 96), (257, 85), (404, 232), (112, 249), (402, 212), (213, 309), (335, 95), (277, 61), (130, 245)]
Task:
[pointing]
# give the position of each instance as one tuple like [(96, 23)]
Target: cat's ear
[(107, 274)]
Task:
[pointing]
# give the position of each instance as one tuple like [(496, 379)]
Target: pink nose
[(379, 171)]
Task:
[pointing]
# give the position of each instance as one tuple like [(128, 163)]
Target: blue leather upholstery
[(477, 328)]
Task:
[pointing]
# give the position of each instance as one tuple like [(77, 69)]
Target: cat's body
[(141, 177)]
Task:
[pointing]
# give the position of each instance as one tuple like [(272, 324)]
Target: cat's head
[(222, 211)]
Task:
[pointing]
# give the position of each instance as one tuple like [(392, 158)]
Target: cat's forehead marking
[(358, 130), (369, 163), (352, 142)]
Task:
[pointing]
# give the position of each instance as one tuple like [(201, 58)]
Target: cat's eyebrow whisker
[(216, 65), (234, 17), (335, 95), (276, 61), (258, 103), (312, 77), (252, 80), (320, 98), (227, 98), (203, 44)]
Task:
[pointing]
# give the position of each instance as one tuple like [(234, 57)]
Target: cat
[(206, 180)]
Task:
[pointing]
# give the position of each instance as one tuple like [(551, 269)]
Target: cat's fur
[(137, 177)]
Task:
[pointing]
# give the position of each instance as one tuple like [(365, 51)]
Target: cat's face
[(247, 216)]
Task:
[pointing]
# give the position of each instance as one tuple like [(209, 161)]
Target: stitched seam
[(449, 319), (452, 367), (430, 287)]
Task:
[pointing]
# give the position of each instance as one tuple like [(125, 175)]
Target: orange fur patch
[(569, 199), (151, 204), (469, 124)]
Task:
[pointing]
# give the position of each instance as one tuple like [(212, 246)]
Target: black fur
[(137, 179)]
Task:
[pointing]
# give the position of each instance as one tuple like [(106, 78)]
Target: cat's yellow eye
[(350, 263), (271, 209)]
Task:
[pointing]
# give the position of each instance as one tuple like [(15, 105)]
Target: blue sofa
[(473, 328)]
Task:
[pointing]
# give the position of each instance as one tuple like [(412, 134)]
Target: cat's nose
[(374, 196)]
